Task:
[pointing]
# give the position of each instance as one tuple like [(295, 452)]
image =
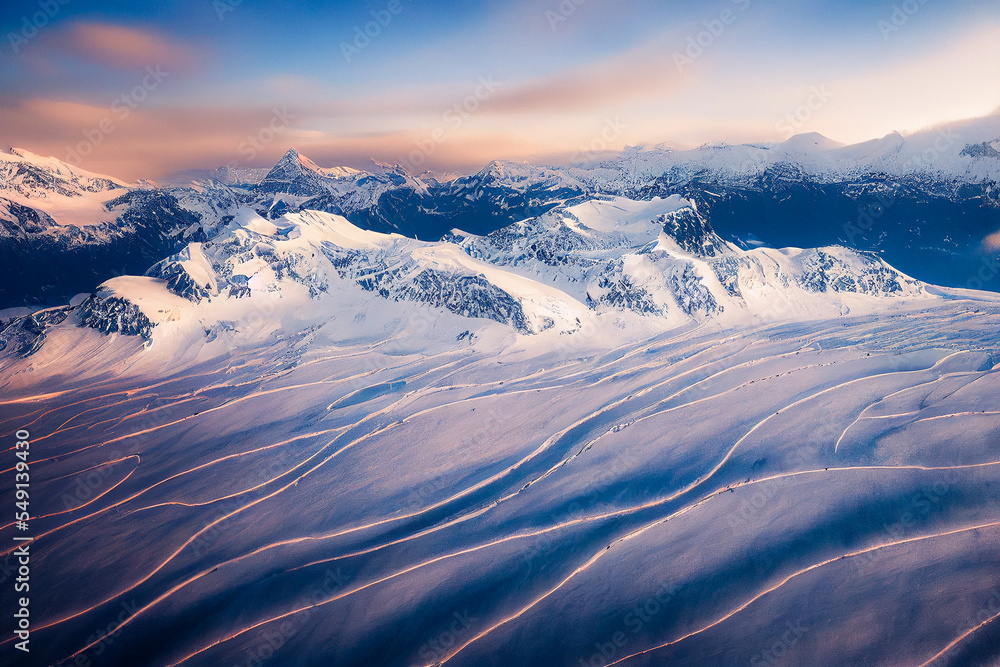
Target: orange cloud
[(154, 142), (644, 72), (124, 48)]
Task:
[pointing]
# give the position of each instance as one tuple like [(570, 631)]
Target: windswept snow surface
[(352, 480)]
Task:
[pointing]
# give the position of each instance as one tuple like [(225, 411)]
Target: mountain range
[(928, 204), (730, 405)]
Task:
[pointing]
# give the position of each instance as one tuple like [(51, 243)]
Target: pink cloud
[(153, 142), (644, 72), (124, 48)]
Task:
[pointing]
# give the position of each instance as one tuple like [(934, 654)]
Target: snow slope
[(588, 429), (368, 487), (651, 265), (67, 194)]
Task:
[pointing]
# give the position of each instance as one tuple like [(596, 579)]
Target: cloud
[(643, 72), (153, 142), (145, 141), (948, 83), (556, 114), (991, 243), (123, 48)]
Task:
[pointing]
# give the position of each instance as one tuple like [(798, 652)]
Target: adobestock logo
[(562, 12), (364, 34), (253, 144), (901, 15), (452, 120), (31, 25), (121, 108), (793, 121), (703, 40), (612, 130)]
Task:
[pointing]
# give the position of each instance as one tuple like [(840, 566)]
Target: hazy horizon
[(141, 90)]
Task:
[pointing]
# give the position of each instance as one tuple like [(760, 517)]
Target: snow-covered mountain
[(295, 174), (33, 177), (575, 267), (946, 157), (375, 474), (928, 203), (64, 230), (38, 190), (662, 257), (530, 416)]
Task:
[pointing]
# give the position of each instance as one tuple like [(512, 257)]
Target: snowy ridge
[(959, 152), (297, 175), (319, 251), (950, 175), (662, 258), (37, 176), (66, 194), (657, 263)]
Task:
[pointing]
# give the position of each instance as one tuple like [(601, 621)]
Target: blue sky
[(559, 73)]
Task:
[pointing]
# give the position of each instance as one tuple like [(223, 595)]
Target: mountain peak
[(296, 174), (494, 169), (51, 173), (808, 142), (296, 161)]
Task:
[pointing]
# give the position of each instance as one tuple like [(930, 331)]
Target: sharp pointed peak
[(494, 169), (293, 156)]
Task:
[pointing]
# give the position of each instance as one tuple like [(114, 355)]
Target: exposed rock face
[(113, 314), (469, 296), (24, 335), (824, 272), (693, 233)]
